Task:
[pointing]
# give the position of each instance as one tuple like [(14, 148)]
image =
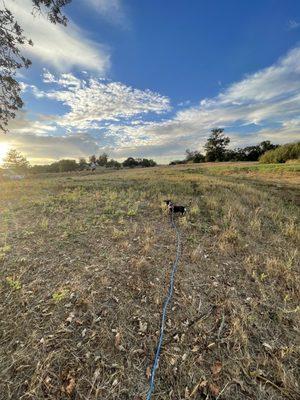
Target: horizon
[(152, 79)]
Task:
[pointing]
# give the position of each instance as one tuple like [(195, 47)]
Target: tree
[(16, 161), (63, 166), (92, 159), (113, 164), (130, 162), (249, 153), (194, 156), (175, 162), (102, 159), (145, 162), (12, 40), (82, 164), (216, 145)]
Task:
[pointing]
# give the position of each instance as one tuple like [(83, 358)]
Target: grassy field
[(85, 261)]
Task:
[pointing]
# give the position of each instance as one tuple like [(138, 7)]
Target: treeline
[(216, 149), (92, 163), (15, 161)]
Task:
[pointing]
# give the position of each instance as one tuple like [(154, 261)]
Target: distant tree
[(130, 162), (63, 166), (12, 41), (102, 159), (194, 156), (82, 164), (16, 161), (216, 145), (113, 164), (249, 153), (138, 162), (93, 159), (145, 162), (175, 162), (266, 145)]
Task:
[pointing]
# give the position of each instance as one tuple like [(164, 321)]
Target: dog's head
[(168, 202)]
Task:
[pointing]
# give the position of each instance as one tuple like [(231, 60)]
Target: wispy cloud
[(112, 10), (93, 101), (58, 46), (293, 24)]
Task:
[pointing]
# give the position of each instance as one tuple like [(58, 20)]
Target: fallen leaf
[(214, 389), (184, 357), (173, 360), (216, 368), (118, 339), (70, 317), (143, 326), (186, 393), (115, 382), (211, 345), (70, 386), (200, 385), (148, 372), (267, 346)]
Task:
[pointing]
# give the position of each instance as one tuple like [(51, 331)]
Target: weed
[(60, 295), (13, 283)]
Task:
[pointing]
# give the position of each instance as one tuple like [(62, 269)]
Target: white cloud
[(58, 46), (93, 101)]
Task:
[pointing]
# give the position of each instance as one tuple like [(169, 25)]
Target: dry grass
[(85, 262)]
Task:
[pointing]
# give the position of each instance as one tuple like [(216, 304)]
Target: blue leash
[(164, 310)]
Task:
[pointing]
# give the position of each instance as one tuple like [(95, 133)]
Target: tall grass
[(281, 154)]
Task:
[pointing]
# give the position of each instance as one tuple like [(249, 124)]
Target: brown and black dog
[(175, 209)]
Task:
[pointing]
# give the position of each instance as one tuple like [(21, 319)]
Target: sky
[(152, 78)]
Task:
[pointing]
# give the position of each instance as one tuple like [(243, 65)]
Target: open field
[(85, 262)]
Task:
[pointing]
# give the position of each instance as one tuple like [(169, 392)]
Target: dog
[(175, 209)]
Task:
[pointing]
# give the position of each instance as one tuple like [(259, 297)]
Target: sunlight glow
[(4, 148)]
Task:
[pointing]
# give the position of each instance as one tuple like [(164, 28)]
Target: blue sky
[(151, 78)]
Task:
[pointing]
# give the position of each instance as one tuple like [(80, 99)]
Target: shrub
[(138, 162), (113, 164), (281, 154)]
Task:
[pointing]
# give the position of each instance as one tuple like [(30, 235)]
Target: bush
[(130, 162), (281, 154), (175, 162), (194, 156), (113, 164), (138, 162)]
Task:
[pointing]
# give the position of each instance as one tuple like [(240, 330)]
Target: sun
[(4, 148)]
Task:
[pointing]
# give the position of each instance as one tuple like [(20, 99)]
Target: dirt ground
[(84, 267)]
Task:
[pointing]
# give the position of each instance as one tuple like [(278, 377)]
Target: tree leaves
[(11, 59)]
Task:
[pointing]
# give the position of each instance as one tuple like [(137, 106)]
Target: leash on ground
[(164, 310)]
